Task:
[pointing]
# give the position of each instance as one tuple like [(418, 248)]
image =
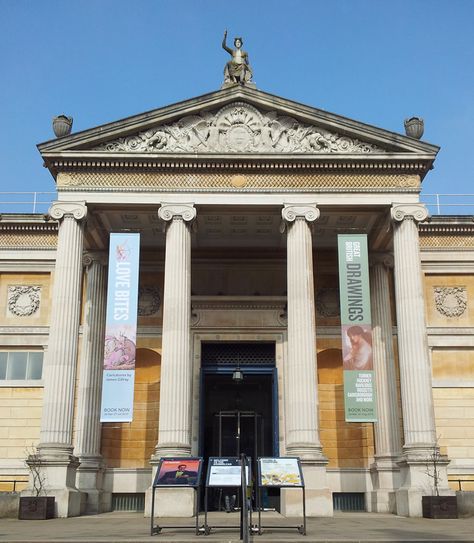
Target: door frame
[(228, 370)]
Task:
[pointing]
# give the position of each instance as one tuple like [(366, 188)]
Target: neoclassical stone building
[(238, 196)]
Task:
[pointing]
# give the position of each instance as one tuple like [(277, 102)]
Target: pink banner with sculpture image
[(121, 328)]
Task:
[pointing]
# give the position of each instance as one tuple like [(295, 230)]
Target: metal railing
[(39, 202), (26, 202), (449, 204)]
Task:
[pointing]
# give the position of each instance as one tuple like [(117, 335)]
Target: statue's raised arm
[(224, 44)]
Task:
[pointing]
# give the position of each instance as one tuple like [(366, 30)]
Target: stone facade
[(238, 197)]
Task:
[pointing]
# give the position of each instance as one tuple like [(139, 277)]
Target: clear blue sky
[(377, 61)]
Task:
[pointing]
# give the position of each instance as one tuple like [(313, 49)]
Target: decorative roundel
[(23, 300), (327, 302), (149, 301), (451, 301)]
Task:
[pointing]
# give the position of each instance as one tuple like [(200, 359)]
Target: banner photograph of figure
[(181, 471), (357, 347)]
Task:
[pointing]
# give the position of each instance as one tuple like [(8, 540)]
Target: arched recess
[(131, 444), (347, 445)]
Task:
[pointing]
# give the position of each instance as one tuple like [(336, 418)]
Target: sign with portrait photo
[(280, 472), (178, 472)]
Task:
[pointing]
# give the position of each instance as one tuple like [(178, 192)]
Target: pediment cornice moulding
[(268, 132)]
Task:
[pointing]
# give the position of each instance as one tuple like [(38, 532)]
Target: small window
[(21, 365)]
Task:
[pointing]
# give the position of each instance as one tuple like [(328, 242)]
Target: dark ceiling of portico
[(229, 227)]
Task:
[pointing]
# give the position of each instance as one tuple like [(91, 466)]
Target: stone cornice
[(448, 226), (398, 163), (238, 302)]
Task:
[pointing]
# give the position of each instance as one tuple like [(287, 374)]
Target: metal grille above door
[(241, 353)]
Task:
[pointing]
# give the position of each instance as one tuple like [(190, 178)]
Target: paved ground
[(133, 527)]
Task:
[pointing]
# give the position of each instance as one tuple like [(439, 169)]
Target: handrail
[(30, 205), (437, 202), (442, 201)]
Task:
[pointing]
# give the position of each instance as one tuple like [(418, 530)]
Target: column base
[(89, 481), (171, 502), (56, 466), (416, 476), (318, 495), (385, 474)]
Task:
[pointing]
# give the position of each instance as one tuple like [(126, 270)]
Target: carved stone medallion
[(450, 301), (327, 302), (23, 300), (239, 128), (149, 301)]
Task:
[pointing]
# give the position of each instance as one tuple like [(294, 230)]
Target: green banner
[(356, 328)]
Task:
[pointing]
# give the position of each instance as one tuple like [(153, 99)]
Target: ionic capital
[(186, 212), (291, 212), (94, 256), (383, 259), (59, 210), (416, 212)]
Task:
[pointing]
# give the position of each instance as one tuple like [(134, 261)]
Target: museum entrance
[(238, 407)]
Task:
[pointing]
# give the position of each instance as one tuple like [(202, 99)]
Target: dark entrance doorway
[(238, 416)]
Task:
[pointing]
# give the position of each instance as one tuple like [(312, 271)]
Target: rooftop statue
[(237, 70)]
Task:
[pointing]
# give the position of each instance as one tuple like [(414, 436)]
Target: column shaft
[(415, 370), (302, 432), (60, 366), (90, 373), (174, 434), (387, 428)]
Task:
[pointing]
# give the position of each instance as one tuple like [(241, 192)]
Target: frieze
[(450, 301), (278, 181), (239, 128), (23, 300)]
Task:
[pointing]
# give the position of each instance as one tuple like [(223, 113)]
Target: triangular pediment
[(237, 121)]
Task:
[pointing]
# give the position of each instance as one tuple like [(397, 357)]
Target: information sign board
[(225, 471), (280, 472)]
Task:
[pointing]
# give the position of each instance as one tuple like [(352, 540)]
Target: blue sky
[(376, 61)]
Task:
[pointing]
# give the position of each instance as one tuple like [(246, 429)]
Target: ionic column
[(55, 447), (415, 370), (87, 447), (301, 416), (385, 471), (174, 434), (302, 432)]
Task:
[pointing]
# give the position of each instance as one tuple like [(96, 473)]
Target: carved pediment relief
[(238, 128)]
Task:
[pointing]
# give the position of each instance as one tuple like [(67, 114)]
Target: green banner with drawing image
[(356, 329)]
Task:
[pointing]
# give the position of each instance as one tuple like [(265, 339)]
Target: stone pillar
[(174, 432), (301, 417), (385, 470), (420, 442), (55, 451), (89, 476)]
